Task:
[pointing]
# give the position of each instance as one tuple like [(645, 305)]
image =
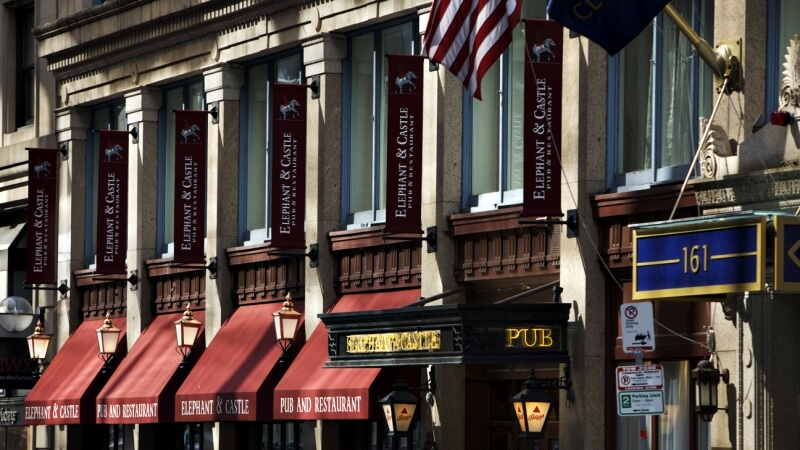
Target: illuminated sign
[(405, 341), (448, 334), (707, 257), (529, 338)]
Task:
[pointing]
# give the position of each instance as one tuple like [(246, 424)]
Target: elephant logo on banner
[(42, 169), (290, 108), (115, 151), (190, 134), (544, 48), (405, 80)]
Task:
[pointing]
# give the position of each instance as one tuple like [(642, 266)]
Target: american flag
[(467, 36)]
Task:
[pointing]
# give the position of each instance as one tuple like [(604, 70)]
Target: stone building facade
[(629, 137)]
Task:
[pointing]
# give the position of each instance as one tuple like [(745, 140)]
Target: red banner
[(289, 166), (190, 186), (42, 224), (112, 202), (542, 186), (404, 144)]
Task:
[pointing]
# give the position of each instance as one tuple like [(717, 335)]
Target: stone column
[(71, 126), (223, 84), (142, 112), (322, 57), (583, 143), (441, 197)]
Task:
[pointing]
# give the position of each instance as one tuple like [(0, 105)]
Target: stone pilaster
[(583, 143), (223, 85), (441, 197), (71, 124), (322, 57), (142, 112)]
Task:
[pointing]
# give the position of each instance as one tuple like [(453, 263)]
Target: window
[(364, 146), (115, 437), (783, 24), (256, 142), (26, 58), (192, 437), (282, 436), (657, 90), (188, 96), (111, 116), (674, 429), (493, 138), (13, 438)]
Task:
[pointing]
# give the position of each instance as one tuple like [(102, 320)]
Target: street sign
[(640, 378), (640, 403), (706, 257), (638, 334), (787, 253)]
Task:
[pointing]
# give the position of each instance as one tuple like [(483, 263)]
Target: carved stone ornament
[(790, 91), (717, 145)]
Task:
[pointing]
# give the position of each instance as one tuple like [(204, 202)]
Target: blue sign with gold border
[(703, 258)]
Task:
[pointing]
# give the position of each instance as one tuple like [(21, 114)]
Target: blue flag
[(611, 24)]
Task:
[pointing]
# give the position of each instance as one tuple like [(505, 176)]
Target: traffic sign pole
[(642, 424)]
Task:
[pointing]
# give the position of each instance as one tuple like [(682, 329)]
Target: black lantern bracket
[(571, 222), (314, 86), (429, 387), (63, 148), (134, 132), (133, 279), (430, 238), (564, 382), (213, 111), (312, 255), (706, 377), (62, 288)]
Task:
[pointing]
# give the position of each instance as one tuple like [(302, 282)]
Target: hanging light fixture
[(187, 329), (16, 314), (107, 340), (38, 342), (532, 408), (398, 408), (706, 380), (287, 321)]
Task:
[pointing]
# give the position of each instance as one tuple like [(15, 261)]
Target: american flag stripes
[(467, 36)]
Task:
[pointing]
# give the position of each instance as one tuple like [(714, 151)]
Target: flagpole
[(716, 59), (699, 148)]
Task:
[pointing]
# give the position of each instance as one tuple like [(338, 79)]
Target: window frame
[(504, 196), (257, 235), (164, 247), (360, 219), (776, 51), (92, 161), (656, 174), (23, 117)]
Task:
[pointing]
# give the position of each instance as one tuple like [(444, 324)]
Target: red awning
[(308, 391), (142, 388), (234, 379), (66, 391)]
